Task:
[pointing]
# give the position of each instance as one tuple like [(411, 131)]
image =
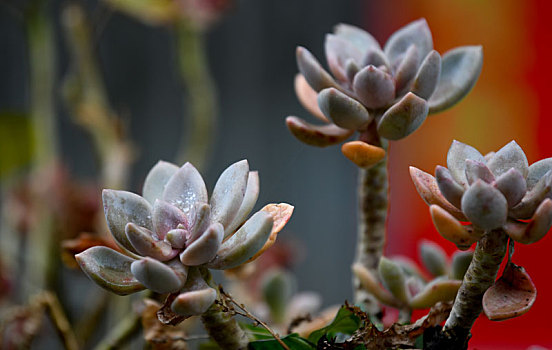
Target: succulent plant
[(499, 190), (502, 198), (174, 233), (405, 286), (379, 92)]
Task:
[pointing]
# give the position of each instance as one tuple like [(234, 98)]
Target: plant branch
[(243, 312), (481, 274), (195, 146), (372, 216), (54, 309)]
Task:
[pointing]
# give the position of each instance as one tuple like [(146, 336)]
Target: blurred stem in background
[(85, 95), (196, 141), (42, 253)]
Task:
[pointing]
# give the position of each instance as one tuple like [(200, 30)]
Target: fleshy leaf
[(460, 70), (434, 292), (460, 263), (415, 33), (370, 283), (247, 241), (356, 36), (362, 154), (277, 287), (509, 156), (167, 217), (403, 118), (122, 207), (146, 243), (532, 199), (451, 229), (156, 276), (344, 111), (157, 178), (315, 135), (406, 70), (201, 220), (376, 58), (433, 258), (512, 185), (374, 87), (229, 191), (204, 248), (429, 191), (457, 155), (177, 237), (109, 269), (194, 302), (535, 229), (537, 170), (308, 97), (393, 278), (478, 170), (484, 206), (313, 72), (427, 77), (511, 296), (186, 188), (338, 51), (449, 188), (249, 200), (281, 213)]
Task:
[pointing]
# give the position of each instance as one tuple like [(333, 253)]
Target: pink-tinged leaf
[(281, 213), (457, 155), (338, 52), (186, 189), (370, 283), (403, 118), (122, 207), (343, 110), (146, 243), (434, 292), (451, 229), (315, 135), (406, 70), (109, 269), (429, 191), (204, 248), (157, 276), (427, 77), (308, 97), (374, 87), (449, 188), (194, 302), (511, 296), (310, 68), (157, 178), (167, 217), (228, 193), (535, 229)]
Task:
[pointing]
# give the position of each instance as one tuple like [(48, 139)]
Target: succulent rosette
[(175, 232), (496, 191), (405, 285), (379, 92)]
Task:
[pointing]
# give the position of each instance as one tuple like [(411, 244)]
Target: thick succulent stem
[(195, 146), (372, 216), (480, 276), (224, 329)]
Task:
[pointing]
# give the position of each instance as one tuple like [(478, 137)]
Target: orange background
[(509, 102)]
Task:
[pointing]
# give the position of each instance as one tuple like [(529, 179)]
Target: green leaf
[(16, 141), (345, 322), (294, 341)]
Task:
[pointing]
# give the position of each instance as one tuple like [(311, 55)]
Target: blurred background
[(110, 119)]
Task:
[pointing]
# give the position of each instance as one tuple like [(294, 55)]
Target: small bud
[(485, 206)]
